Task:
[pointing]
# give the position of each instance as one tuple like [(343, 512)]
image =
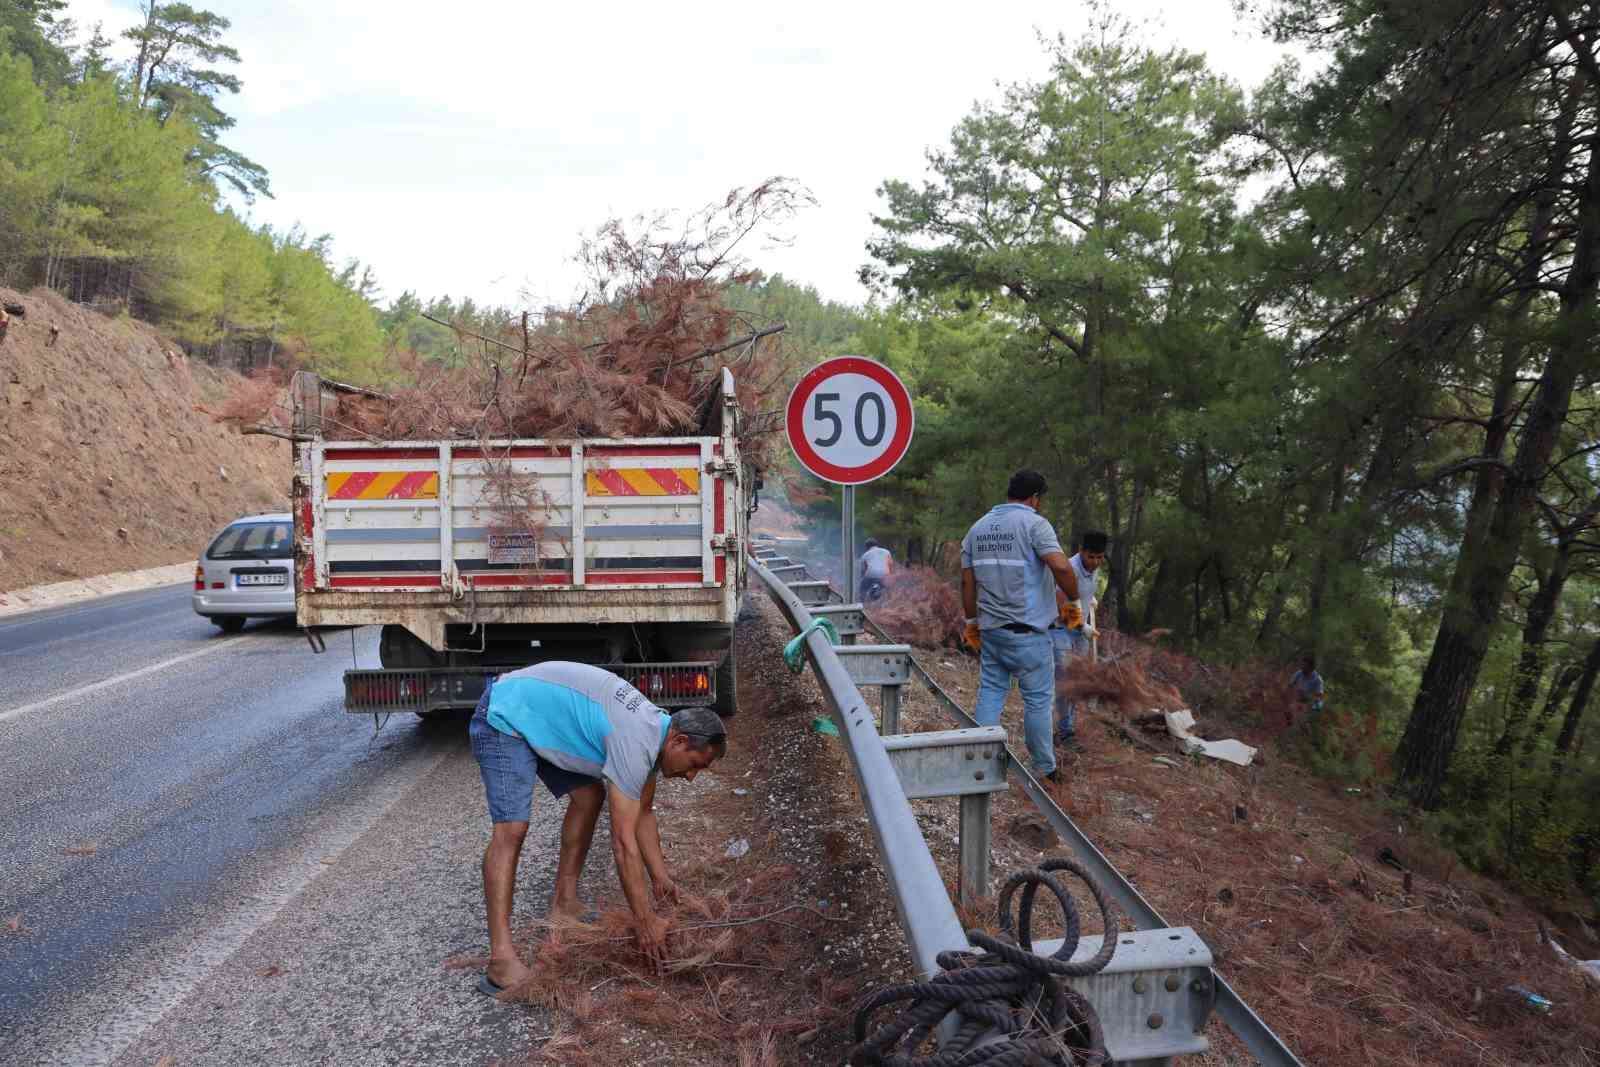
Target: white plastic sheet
[(1180, 724)]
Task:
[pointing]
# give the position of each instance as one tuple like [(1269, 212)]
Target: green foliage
[(1296, 422), (33, 29), (175, 75), (114, 203)]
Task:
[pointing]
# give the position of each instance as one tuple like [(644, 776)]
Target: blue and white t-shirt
[(584, 719)]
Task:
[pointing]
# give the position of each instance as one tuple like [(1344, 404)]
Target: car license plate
[(260, 579)]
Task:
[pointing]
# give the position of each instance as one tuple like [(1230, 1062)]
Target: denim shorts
[(509, 765)]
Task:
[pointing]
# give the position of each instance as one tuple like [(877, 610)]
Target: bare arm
[(969, 593), (648, 837), (627, 815), (1066, 578)]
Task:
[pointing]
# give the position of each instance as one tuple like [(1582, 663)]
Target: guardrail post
[(811, 594), (969, 764), (974, 830), (885, 666), (848, 620), (891, 709)]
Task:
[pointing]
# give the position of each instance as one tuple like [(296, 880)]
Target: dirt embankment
[(106, 462)]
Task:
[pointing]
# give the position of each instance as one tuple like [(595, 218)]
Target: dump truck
[(627, 553)]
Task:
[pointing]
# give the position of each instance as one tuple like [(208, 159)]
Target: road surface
[(207, 859)]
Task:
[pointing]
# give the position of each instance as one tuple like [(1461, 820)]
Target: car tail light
[(199, 575)]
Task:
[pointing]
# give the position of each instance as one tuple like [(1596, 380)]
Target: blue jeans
[(1066, 643), (1027, 658)]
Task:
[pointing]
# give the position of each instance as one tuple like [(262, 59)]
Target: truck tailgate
[(647, 513)]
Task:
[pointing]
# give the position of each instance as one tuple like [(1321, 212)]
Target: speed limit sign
[(849, 420)]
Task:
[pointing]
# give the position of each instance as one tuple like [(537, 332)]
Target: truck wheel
[(400, 649), (230, 624), (726, 703)]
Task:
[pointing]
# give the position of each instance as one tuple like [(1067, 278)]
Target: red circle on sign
[(893, 452)]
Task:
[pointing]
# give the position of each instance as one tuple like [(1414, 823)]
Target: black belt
[(1019, 628)]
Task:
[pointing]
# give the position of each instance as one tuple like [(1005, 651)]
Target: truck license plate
[(260, 579)]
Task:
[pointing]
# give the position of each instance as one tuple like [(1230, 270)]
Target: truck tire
[(727, 702), (400, 649)]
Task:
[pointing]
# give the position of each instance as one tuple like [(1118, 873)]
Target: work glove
[(1072, 615), (1090, 632), (971, 637)]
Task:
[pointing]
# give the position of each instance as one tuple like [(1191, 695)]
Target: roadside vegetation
[(1318, 354)]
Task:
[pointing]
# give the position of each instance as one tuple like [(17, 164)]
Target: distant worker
[(1307, 687), (588, 735), (876, 564), (1011, 567), (1072, 631)]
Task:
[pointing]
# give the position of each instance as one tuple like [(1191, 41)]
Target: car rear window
[(252, 540)]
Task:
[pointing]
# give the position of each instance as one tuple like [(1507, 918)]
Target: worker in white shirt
[(876, 563), (1072, 632)]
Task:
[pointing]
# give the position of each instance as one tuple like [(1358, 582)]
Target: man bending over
[(588, 735)]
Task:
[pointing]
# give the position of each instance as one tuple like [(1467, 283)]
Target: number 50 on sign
[(849, 420)]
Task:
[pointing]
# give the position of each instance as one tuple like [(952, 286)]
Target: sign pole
[(849, 420), (847, 542)]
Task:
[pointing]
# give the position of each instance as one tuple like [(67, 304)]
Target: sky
[(463, 149)]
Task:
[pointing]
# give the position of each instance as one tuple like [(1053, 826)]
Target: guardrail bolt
[(1173, 983), (1156, 1020), (1140, 986), (1198, 987), (970, 755), (978, 775)]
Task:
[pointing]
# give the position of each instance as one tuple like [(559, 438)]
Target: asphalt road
[(206, 859)]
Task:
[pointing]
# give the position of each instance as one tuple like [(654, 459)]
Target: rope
[(1005, 988), (792, 651)]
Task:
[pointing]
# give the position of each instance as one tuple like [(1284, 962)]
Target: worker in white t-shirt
[(876, 563), (1072, 631)]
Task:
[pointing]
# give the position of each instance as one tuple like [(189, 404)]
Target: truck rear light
[(199, 575)]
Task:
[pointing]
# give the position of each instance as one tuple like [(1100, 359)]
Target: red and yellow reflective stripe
[(383, 485), (642, 481)]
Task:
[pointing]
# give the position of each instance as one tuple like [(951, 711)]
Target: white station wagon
[(245, 572)]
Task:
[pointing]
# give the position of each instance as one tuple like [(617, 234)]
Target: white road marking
[(141, 997), (107, 683)]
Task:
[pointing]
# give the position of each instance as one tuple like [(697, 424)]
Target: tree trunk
[(1529, 672), (1280, 597), (1569, 728), (1472, 607), (1560, 686), (1158, 589)]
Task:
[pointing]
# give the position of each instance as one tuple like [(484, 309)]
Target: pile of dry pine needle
[(639, 354), (716, 990)]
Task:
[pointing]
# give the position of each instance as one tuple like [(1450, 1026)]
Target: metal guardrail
[(1154, 998), (926, 914), (1245, 1024)]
